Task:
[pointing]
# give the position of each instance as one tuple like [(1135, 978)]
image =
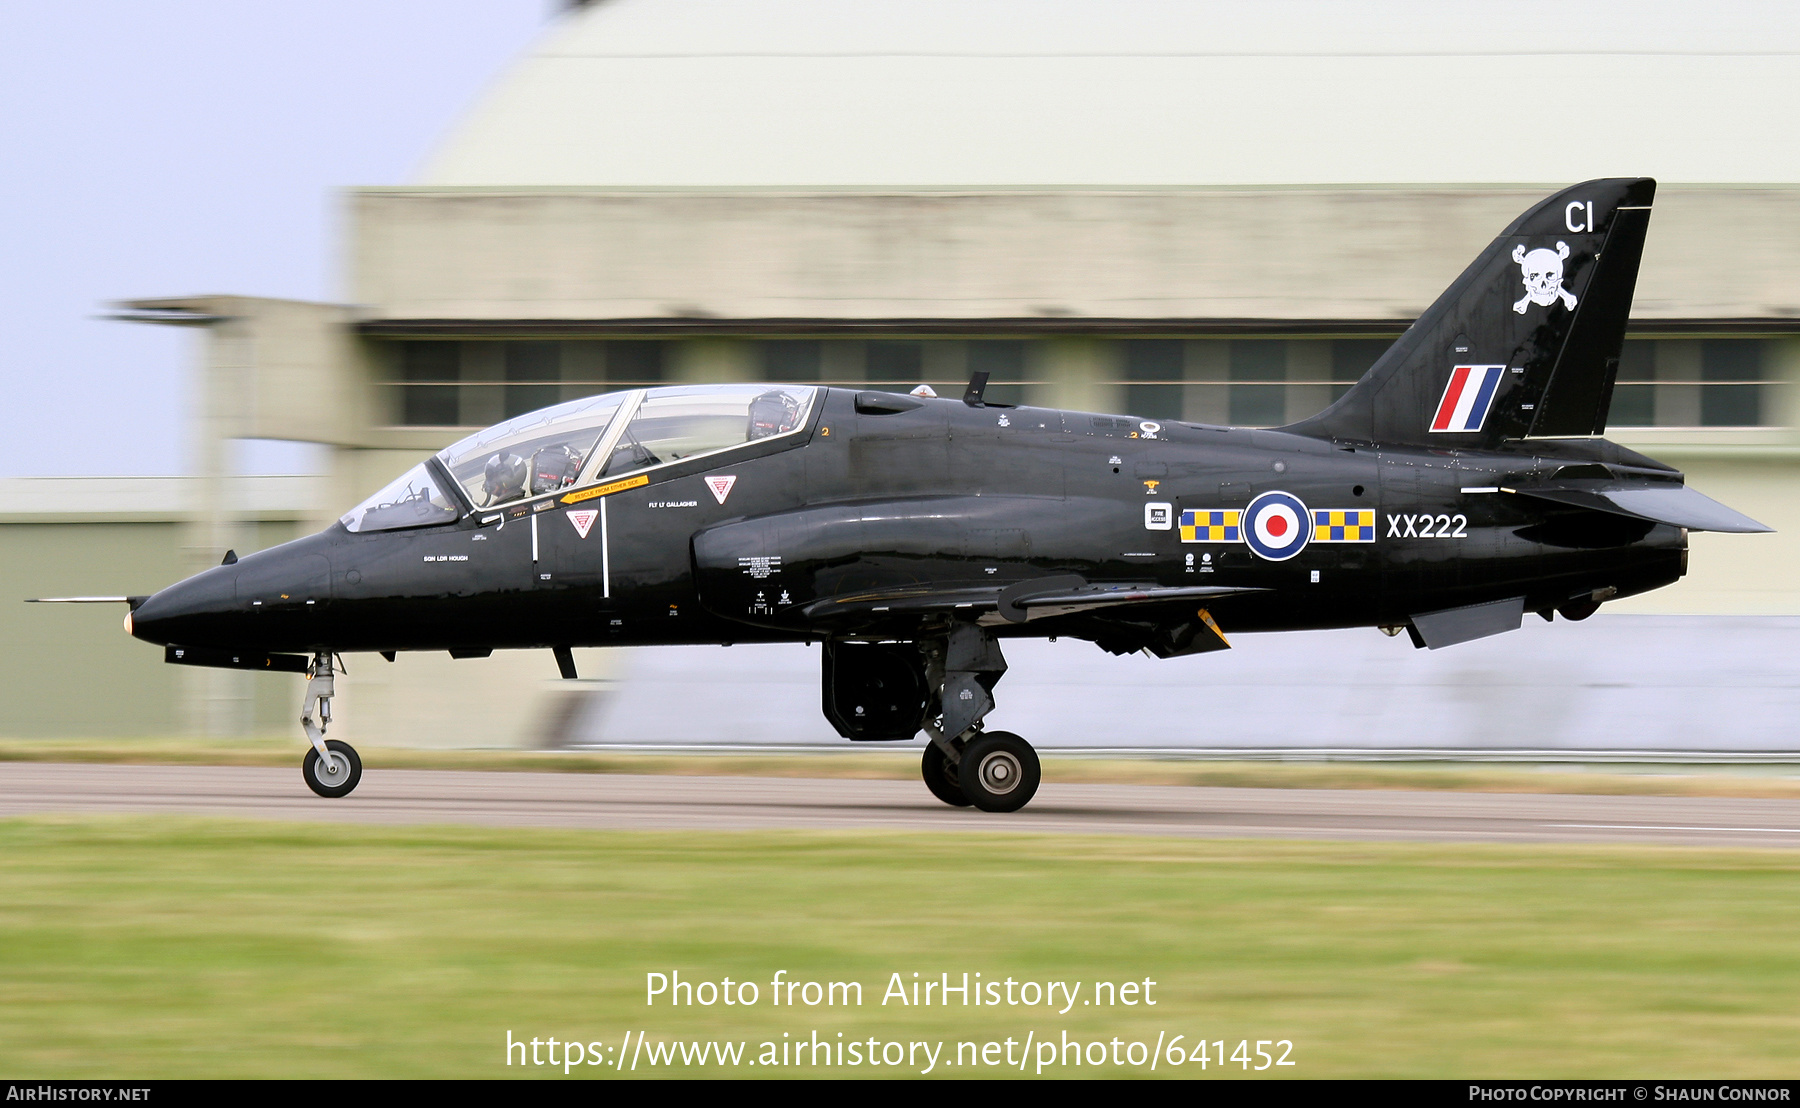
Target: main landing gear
[(332, 768), (964, 766), (995, 771), (889, 691)]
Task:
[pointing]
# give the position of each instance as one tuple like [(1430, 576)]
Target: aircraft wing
[(1027, 603), (890, 567), (1018, 603)]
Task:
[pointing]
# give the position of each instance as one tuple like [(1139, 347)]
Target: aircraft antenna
[(977, 385)]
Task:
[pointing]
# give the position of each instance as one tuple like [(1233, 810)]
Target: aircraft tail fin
[(1525, 343)]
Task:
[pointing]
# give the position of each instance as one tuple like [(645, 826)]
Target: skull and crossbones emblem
[(1543, 276)]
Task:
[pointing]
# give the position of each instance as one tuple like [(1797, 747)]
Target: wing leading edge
[(1019, 603)]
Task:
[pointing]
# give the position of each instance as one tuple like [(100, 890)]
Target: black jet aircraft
[(1459, 485)]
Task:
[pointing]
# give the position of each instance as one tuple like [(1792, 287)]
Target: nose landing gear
[(995, 771), (336, 777), (332, 768)]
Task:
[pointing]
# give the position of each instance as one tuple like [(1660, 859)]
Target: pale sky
[(197, 146)]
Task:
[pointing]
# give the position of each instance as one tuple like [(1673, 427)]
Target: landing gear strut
[(965, 766), (940, 772), (332, 768)]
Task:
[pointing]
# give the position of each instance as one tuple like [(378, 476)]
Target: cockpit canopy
[(537, 452), (580, 442)]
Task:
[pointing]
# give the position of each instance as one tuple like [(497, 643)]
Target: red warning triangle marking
[(583, 520), (721, 486)]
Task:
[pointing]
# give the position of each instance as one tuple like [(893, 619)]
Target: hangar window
[(1351, 358), (532, 454), (1003, 360), (1259, 360), (1153, 384), (1680, 382), (894, 363), (792, 360), (1732, 393), (677, 423), (1257, 382), (472, 383), (536, 362), (429, 396)]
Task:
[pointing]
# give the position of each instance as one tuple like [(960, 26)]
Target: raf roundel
[(1276, 526)]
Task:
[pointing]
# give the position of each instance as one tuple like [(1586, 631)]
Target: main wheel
[(337, 778), (940, 777), (999, 772)]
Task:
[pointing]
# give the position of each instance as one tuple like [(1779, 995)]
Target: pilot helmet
[(504, 478), (553, 467), (773, 413)]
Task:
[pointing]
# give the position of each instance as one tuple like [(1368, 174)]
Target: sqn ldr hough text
[(968, 989)]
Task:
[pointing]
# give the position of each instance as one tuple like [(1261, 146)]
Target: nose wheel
[(334, 777), (331, 768)]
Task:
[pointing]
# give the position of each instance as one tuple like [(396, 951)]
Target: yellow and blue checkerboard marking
[(1352, 525), (1215, 526), (1329, 525)]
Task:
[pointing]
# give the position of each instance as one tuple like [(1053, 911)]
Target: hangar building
[(1186, 210)]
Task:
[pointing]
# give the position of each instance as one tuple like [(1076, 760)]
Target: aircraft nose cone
[(259, 601), (191, 612)]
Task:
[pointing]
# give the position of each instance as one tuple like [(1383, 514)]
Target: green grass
[(860, 761), (156, 947)]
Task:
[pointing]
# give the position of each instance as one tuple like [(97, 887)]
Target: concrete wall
[(1737, 574), (696, 256), (69, 669), (272, 369), (513, 699), (1614, 683)]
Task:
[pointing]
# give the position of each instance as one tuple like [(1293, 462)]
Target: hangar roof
[(1138, 93)]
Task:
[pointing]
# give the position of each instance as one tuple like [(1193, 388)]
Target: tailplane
[(1525, 343)]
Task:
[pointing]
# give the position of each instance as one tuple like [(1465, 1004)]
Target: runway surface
[(577, 800)]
